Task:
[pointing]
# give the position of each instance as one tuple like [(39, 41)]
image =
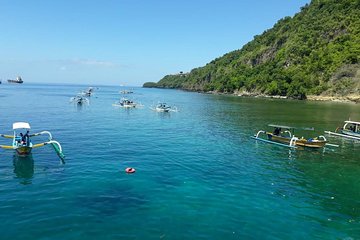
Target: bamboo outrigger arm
[(46, 143), (57, 147), (293, 141), (6, 147), (41, 133), (342, 135), (288, 132), (323, 137), (39, 144), (261, 131), (6, 136), (327, 144), (291, 145)]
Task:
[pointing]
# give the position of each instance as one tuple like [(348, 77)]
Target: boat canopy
[(357, 123), (280, 126), (288, 127), (21, 125)]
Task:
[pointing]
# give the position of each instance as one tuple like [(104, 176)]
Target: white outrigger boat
[(163, 107), (126, 103), (79, 99), (287, 138), (351, 129), (88, 92), (21, 141)]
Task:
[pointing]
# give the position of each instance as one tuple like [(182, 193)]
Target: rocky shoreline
[(353, 98), (348, 98)]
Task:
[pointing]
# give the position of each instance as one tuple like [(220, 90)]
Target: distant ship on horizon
[(18, 80)]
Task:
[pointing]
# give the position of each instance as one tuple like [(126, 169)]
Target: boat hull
[(350, 133), (278, 138), (313, 143), (123, 106), (342, 135), (14, 81), (310, 143), (128, 105), (23, 150), (162, 109)]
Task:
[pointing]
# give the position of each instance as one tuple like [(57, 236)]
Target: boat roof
[(357, 123), (288, 127), (19, 125), (280, 126)]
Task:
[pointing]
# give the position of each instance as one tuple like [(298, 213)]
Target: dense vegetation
[(150, 85), (316, 51)]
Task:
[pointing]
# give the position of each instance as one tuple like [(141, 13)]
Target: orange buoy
[(130, 170)]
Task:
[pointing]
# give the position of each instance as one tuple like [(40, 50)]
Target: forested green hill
[(315, 52)]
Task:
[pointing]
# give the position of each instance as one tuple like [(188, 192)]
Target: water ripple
[(198, 174)]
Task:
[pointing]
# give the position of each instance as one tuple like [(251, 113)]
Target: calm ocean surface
[(198, 173)]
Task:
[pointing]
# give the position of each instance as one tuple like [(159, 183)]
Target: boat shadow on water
[(163, 115), (79, 107), (24, 168)]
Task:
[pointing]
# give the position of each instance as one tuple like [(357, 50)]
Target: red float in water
[(130, 170)]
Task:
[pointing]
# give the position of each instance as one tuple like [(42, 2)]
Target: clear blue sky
[(127, 42)]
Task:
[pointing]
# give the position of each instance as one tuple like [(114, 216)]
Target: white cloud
[(92, 62)]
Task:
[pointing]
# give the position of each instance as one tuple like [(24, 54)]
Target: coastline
[(353, 98)]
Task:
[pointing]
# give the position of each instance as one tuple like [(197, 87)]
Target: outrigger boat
[(18, 80), (163, 107), (350, 129), (125, 92), (287, 138), (126, 103), (88, 92), (22, 141), (79, 99)]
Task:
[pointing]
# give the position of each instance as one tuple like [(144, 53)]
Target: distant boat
[(126, 91), (126, 103), (87, 92), (18, 80), (350, 129), (79, 99), (163, 107)]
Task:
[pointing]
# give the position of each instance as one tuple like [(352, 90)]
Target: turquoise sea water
[(198, 173)]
